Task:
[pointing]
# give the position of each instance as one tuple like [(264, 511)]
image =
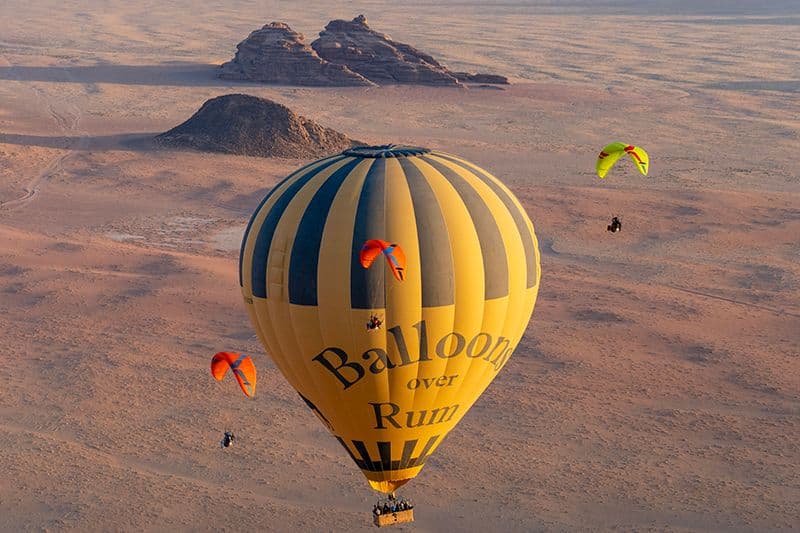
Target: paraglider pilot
[(615, 225), (374, 323), (227, 440)]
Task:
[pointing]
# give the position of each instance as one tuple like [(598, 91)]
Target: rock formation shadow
[(170, 73), (122, 141)]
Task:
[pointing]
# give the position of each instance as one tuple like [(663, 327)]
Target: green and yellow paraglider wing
[(640, 157), (612, 152)]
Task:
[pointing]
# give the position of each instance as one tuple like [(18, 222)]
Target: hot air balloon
[(468, 287), (612, 152), (241, 366)]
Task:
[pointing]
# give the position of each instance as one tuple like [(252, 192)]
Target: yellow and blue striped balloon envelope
[(390, 361)]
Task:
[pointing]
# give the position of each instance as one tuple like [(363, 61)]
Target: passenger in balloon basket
[(227, 440), (615, 225), (392, 505)]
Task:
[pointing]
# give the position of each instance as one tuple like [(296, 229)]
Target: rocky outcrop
[(376, 57), (346, 53), (277, 54), (247, 125)]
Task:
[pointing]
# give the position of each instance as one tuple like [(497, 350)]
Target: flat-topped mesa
[(378, 58), (247, 125), (278, 54)]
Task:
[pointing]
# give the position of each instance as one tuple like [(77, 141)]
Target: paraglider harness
[(227, 440), (615, 225), (392, 511)]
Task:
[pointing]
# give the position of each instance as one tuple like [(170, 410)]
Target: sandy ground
[(657, 388)]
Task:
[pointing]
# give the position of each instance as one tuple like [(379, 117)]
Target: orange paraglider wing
[(397, 260), (220, 364), (242, 367), (395, 256), (371, 249)]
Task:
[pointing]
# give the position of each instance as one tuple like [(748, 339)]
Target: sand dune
[(656, 388)]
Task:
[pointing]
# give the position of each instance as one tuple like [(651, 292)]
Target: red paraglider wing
[(242, 367), (370, 251), (395, 256)]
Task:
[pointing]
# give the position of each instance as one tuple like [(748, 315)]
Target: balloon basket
[(397, 517)]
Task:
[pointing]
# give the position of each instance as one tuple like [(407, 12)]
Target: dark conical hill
[(247, 125)]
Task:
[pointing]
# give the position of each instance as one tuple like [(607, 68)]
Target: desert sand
[(657, 387)]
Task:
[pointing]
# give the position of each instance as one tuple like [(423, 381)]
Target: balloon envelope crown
[(386, 150)]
